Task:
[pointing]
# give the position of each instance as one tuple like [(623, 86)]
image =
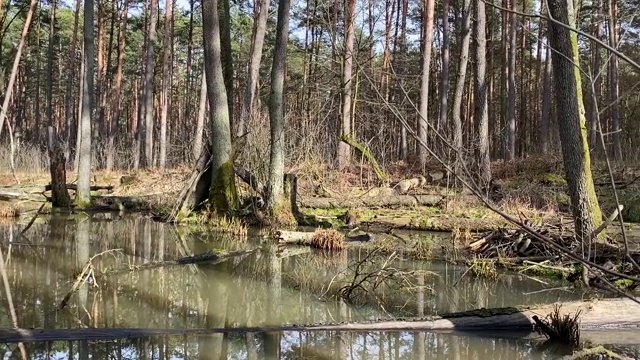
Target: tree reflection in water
[(262, 288)]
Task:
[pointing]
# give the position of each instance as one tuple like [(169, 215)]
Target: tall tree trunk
[(275, 200), (50, 54), (545, 112), (166, 82), (187, 90), (202, 109), (148, 84), (444, 77), (83, 194), (614, 91), (122, 39), (16, 62), (460, 83), (481, 109), (344, 151), (227, 54), (222, 195), (510, 152), (255, 56), (596, 64), (428, 8), (571, 122), (69, 97)]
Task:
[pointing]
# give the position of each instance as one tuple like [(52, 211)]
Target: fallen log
[(368, 202), (305, 237), (74, 187), (600, 314)]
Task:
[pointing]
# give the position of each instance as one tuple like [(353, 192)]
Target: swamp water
[(263, 288)]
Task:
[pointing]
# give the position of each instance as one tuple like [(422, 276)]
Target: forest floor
[(532, 189)]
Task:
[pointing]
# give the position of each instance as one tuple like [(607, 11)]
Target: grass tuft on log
[(328, 239)]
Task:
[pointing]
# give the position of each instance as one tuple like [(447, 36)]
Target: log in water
[(597, 314)]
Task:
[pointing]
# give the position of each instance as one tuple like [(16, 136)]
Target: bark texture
[(223, 196), (571, 121)]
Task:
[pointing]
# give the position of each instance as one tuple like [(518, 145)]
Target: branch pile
[(512, 243)]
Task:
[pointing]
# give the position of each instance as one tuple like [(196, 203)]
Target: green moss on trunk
[(223, 196)]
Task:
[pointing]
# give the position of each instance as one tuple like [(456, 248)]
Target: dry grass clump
[(327, 239), (8, 211), (483, 268), (461, 236), (223, 224)]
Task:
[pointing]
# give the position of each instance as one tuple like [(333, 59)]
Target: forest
[(490, 134), (149, 60)]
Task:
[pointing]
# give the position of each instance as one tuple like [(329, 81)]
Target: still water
[(268, 286)]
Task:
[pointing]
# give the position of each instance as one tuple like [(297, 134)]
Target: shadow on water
[(259, 289)]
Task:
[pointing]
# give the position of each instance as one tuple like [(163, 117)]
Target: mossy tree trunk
[(276, 201), (222, 195), (572, 121)]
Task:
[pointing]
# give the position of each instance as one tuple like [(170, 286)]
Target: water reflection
[(261, 288)]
